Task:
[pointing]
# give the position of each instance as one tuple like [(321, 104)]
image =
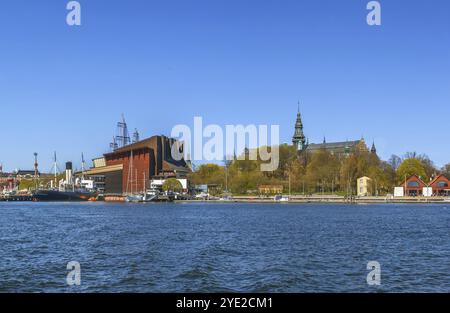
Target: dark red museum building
[(151, 158)]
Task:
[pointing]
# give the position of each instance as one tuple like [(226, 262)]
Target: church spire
[(299, 139), (373, 150)]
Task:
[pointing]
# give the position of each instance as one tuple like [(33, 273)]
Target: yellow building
[(363, 186), (270, 189)]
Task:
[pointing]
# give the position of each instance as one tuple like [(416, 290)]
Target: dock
[(15, 198)]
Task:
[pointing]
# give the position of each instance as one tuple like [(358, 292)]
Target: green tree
[(409, 167), (208, 174), (172, 184)]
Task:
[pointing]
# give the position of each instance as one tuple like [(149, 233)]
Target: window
[(442, 184), (413, 184)]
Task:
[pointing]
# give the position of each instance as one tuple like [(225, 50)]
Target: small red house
[(440, 185), (413, 186)]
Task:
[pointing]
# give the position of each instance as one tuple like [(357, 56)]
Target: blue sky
[(232, 62)]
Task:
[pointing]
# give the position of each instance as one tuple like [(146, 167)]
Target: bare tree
[(394, 161)]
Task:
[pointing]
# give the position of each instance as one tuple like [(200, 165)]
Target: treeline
[(323, 172)]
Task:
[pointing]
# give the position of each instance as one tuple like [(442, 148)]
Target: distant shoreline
[(328, 199)]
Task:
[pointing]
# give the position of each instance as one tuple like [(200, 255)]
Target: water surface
[(198, 247)]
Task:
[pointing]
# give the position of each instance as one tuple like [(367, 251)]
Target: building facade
[(440, 186), (364, 186), (131, 168), (413, 186), (270, 189), (343, 148)]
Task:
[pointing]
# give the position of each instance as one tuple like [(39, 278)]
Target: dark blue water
[(224, 247)]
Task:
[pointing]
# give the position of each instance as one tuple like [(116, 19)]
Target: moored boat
[(57, 195)]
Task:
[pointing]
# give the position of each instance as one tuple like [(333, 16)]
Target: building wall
[(363, 186), (270, 189), (113, 183), (151, 158), (437, 188), (413, 190), (141, 167)]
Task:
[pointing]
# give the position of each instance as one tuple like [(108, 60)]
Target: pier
[(11, 198)]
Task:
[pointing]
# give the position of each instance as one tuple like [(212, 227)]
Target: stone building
[(343, 148)]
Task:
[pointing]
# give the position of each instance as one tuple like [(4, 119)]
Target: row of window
[(415, 184)]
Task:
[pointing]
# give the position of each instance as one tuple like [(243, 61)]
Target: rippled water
[(223, 247)]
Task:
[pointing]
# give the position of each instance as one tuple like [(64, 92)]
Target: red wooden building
[(413, 186), (440, 185)]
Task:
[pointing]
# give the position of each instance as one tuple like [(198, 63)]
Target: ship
[(59, 195), (69, 189)]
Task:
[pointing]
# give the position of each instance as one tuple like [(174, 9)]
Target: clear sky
[(232, 62)]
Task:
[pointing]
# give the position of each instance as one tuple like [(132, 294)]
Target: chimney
[(69, 173)]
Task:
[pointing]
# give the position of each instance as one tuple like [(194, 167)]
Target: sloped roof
[(134, 146), (413, 177), (104, 169), (438, 178)]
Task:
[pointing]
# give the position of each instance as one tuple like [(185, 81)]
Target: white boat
[(150, 195), (281, 198), (134, 198)]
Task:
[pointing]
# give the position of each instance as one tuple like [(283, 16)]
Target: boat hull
[(55, 195)]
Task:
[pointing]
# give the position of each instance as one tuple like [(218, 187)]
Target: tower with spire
[(374, 149), (299, 139)]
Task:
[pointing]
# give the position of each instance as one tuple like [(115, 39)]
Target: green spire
[(299, 139)]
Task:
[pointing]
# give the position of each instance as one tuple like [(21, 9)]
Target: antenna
[(123, 137), (113, 145)]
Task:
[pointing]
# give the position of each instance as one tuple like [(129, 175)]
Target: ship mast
[(55, 169), (130, 175), (136, 173), (144, 188), (36, 171), (82, 166)]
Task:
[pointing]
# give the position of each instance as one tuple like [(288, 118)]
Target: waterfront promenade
[(332, 199)]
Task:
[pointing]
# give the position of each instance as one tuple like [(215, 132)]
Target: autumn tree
[(322, 171)]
